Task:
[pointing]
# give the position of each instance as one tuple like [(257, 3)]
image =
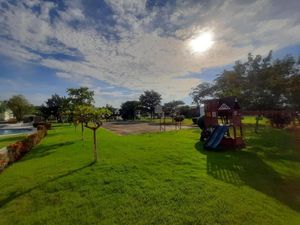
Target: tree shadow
[(13, 138), (247, 168), (44, 150), (15, 194)]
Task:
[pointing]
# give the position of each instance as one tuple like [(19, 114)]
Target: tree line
[(147, 102), (260, 83)]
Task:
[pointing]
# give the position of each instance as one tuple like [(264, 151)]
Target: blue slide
[(216, 137)]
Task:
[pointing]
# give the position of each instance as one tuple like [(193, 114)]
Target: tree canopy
[(170, 108), (20, 106), (80, 96), (260, 83), (150, 99), (128, 110)]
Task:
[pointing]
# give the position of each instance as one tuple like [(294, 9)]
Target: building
[(5, 112), (6, 115)]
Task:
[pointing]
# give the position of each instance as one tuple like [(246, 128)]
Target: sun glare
[(202, 42)]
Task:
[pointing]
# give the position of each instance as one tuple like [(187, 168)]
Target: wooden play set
[(222, 116)]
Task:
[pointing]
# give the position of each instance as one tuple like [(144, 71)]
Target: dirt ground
[(131, 127)]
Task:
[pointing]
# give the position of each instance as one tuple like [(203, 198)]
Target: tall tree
[(80, 96), (150, 99), (128, 110), (20, 106), (260, 83), (57, 105), (203, 91), (170, 108), (44, 111)]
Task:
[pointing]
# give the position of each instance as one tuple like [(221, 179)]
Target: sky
[(120, 48)]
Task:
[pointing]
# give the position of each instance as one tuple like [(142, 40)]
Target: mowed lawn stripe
[(157, 178)]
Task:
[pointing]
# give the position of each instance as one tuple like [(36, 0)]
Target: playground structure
[(221, 117)]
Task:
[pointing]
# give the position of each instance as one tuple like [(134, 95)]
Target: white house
[(6, 115)]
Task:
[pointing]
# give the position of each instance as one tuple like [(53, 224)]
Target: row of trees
[(146, 105), (260, 83), (78, 108)]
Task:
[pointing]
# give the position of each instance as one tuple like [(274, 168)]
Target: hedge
[(16, 151)]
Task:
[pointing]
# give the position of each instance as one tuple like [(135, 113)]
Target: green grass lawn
[(4, 141), (161, 178)]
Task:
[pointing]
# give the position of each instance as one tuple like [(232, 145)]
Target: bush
[(279, 120), (17, 150), (195, 120), (179, 118), (47, 125)]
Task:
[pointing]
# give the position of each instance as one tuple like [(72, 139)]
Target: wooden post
[(234, 132)]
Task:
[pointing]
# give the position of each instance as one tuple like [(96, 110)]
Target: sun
[(202, 42)]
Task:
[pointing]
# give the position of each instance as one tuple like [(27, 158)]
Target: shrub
[(47, 125), (195, 120), (179, 118), (16, 151), (279, 120)]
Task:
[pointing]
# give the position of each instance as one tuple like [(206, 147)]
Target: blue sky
[(119, 48)]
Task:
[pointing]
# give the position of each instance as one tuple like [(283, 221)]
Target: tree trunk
[(256, 124), (82, 137), (95, 146)]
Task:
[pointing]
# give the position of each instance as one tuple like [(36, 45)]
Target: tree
[(78, 116), (170, 108), (188, 111), (260, 83), (56, 106), (3, 106), (202, 91), (91, 117), (80, 96), (150, 99), (113, 112), (44, 111), (128, 110), (19, 105)]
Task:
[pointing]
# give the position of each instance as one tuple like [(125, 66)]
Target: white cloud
[(151, 50)]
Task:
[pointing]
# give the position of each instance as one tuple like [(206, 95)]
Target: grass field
[(160, 178), (4, 141)]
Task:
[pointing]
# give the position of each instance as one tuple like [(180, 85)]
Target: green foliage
[(148, 101), (20, 106), (170, 108), (80, 96), (55, 106), (3, 106), (259, 83), (128, 110), (202, 91), (161, 178)]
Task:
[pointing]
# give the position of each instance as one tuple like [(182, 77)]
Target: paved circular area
[(132, 127)]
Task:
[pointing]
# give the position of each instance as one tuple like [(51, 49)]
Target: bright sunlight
[(202, 42)]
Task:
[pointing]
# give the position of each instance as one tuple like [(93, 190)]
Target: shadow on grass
[(247, 168), (14, 195), (13, 138), (44, 150)]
